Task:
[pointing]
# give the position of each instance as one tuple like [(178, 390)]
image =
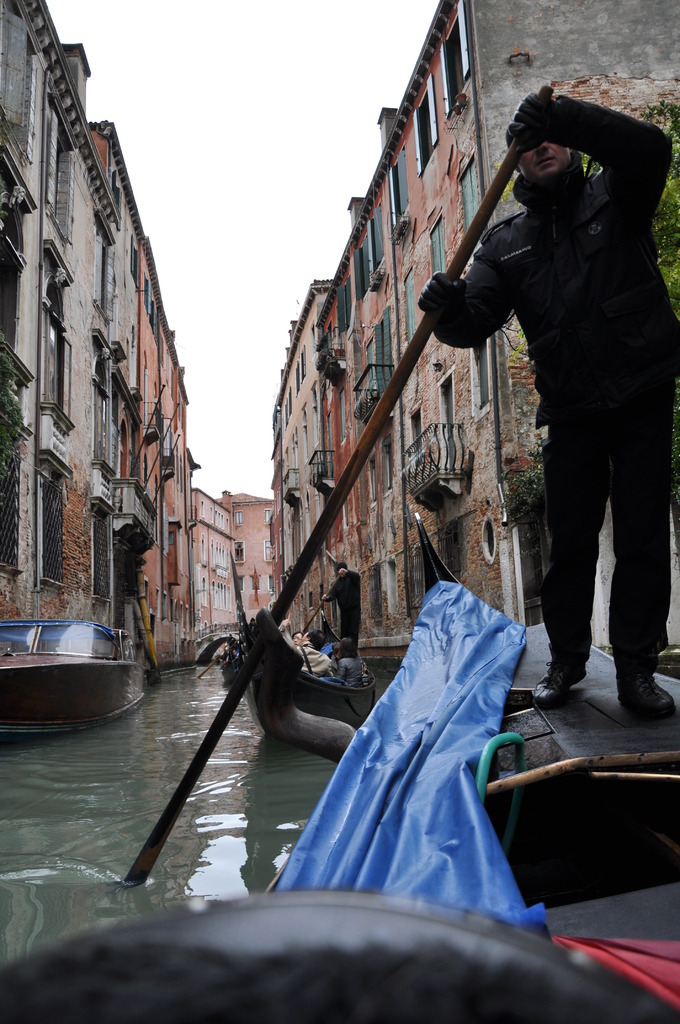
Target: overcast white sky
[(246, 130)]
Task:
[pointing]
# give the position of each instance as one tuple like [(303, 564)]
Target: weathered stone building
[(94, 512), (465, 419)]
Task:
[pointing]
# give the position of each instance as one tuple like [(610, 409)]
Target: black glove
[(529, 123), (440, 293)]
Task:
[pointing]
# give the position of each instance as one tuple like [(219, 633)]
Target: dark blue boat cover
[(401, 814)]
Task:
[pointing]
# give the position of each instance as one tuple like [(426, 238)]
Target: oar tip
[(130, 880)]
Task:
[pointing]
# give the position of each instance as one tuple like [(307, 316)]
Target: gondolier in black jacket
[(347, 592), (578, 266)]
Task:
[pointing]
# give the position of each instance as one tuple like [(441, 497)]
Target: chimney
[(76, 61), (355, 204), (388, 115)]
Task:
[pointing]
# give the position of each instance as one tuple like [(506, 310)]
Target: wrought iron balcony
[(369, 388), (435, 465), (291, 485), (134, 517), (322, 471), (330, 358)]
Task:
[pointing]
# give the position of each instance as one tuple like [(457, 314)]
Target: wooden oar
[(216, 658), (312, 617), (147, 856)]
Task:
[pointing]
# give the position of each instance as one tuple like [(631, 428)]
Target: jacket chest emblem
[(594, 228)]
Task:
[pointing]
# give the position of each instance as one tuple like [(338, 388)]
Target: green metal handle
[(503, 739)]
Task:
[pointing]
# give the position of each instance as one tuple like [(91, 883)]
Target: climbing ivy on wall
[(10, 410), (667, 237)]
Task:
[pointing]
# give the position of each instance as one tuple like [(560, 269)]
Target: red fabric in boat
[(653, 965)]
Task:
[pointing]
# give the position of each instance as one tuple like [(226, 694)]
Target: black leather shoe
[(639, 693), (553, 689)]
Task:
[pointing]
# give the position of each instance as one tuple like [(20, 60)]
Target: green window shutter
[(364, 268), (470, 193), (403, 183), (437, 242), (410, 305), (377, 221), (361, 269), (394, 197), (387, 337), (378, 343), (359, 273), (342, 312)]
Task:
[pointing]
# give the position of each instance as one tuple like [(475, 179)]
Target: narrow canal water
[(77, 809)]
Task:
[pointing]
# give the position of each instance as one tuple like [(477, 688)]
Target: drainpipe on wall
[(482, 189), (38, 347)]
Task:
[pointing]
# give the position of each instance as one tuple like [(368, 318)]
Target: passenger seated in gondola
[(350, 666), (296, 637), (316, 662)]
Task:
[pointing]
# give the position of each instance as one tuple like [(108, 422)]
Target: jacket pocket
[(643, 320)]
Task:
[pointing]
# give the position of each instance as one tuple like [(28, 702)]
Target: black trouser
[(629, 448), (350, 619)]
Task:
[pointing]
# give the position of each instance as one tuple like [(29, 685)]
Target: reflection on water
[(77, 809)]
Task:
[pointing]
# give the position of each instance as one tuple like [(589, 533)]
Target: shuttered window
[(399, 186), (344, 305), (425, 127), (375, 240), (470, 192), (361, 272), (455, 61), (409, 291), (437, 247), (13, 66)]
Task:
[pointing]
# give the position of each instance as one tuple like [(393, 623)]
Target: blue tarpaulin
[(401, 814)]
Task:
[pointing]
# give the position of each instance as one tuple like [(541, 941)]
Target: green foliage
[(667, 237), (525, 490), (10, 410)]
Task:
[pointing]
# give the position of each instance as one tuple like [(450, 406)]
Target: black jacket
[(346, 591), (579, 269)]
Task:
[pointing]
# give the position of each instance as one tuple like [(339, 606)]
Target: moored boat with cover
[(64, 674)]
